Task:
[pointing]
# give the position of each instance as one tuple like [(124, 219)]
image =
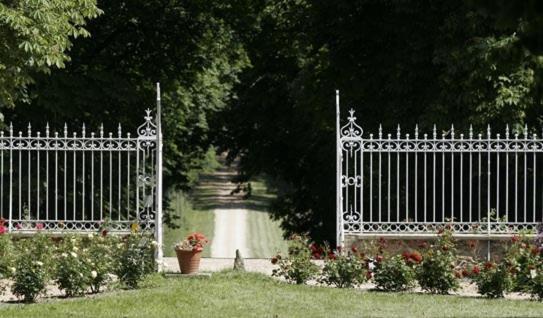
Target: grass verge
[(230, 294), (265, 235), (187, 219)]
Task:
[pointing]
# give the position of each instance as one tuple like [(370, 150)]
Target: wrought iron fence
[(479, 184), (81, 181)]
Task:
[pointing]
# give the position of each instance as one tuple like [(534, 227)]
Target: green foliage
[(394, 274), (102, 258), (494, 280), (297, 267), (436, 272), (453, 65), (33, 267), (35, 37), (136, 259), (523, 256), (343, 270), (73, 273), (536, 286), (7, 260)]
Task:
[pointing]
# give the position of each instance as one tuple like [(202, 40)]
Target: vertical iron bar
[(407, 181)]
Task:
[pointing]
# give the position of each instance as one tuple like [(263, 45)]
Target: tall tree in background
[(35, 36), (188, 46), (395, 62)]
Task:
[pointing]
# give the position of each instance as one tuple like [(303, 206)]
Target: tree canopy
[(35, 37), (257, 78)]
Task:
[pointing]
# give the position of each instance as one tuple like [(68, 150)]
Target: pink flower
[(39, 226), (2, 229), (18, 226)]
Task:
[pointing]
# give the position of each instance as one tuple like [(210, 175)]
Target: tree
[(189, 47), (395, 62), (35, 37)]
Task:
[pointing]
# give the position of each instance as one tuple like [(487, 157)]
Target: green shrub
[(136, 259), (297, 267), (343, 270), (394, 274), (102, 260), (72, 274), (436, 272), (32, 267), (493, 280), (536, 286), (7, 260), (522, 256)]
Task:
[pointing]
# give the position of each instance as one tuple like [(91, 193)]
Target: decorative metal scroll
[(474, 183), (62, 182)]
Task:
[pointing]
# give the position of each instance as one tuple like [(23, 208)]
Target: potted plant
[(189, 252)]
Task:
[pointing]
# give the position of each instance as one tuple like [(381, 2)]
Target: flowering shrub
[(102, 259), (492, 280), (536, 286), (32, 265), (343, 270), (523, 256), (136, 259), (7, 260), (436, 272), (72, 273), (194, 242), (297, 267), (396, 273)]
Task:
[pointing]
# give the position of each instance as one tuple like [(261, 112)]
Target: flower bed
[(74, 264), (433, 266)]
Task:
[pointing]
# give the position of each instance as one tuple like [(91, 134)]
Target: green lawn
[(231, 294), (188, 219), (266, 236)]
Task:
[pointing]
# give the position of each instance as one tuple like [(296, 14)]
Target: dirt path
[(230, 228)]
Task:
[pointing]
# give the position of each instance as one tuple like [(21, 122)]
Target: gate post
[(158, 173), (339, 216)]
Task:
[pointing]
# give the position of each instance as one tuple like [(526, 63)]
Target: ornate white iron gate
[(479, 184), (61, 182)]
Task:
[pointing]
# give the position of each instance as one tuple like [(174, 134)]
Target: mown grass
[(230, 294), (187, 219), (265, 235)]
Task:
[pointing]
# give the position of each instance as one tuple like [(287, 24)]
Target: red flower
[(2, 221), (489, 265), (338, 249), (39, 226), (104, 232), (379, 258), (416, 257), (515, 238), (476, 270), (465, 272), (331, 255), (2, 229), (369, 274), (406, 256), (354, 249)]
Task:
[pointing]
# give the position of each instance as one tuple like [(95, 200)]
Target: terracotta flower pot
[(189, 261)]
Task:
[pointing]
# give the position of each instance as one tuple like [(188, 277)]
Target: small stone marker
[(239, 265)]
